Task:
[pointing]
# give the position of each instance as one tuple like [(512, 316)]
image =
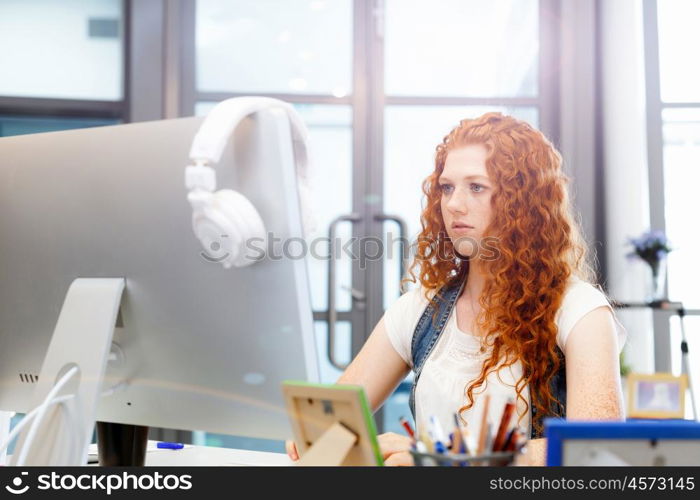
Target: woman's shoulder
[(580, 298), (414, 299), (579, 290), (401, 318)]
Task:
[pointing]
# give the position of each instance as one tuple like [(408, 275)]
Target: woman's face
[(466, 197)]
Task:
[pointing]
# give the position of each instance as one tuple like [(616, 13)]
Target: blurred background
[(614, 84)]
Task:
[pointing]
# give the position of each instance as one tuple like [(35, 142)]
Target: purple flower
[(651, 247)]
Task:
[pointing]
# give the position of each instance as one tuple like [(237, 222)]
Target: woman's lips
[(461, 228)]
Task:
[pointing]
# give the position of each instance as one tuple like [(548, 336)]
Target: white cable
[(40, 415), (5, 426), (25, 420), (59, 400), (75, 437)]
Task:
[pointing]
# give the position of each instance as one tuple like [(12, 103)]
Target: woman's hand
[(533, 454), (395, 449), (291, 450)]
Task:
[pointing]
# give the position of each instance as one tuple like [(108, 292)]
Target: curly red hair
[(538, 243)]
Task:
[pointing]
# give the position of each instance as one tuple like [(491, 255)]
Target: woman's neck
[(475, 281)]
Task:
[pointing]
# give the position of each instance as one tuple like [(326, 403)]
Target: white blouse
[(456, 360)]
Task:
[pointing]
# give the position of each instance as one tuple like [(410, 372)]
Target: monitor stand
[(121, 445), (83, 339)]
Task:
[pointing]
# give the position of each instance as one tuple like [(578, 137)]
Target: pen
[(515, 441), (463, 437), (509, 440), (170, 446), (440, 448), (438, 434), (408, 428), (421, 448), (423, 436)]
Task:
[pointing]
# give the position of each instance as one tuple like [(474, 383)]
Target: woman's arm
[(377, 367), (593, 389)]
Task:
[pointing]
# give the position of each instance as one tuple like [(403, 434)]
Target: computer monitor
[(201, 347)]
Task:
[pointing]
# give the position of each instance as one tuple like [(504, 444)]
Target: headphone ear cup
[(245, 227), (214, 232)]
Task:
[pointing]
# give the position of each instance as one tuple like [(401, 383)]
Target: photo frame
[(332, 424), (658, 395)]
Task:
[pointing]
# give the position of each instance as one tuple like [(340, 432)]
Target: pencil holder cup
[(498, 459)]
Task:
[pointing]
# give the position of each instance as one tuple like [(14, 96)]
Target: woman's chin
[(467, 250)]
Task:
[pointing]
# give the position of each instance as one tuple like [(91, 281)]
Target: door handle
[(332, 313), (403, 230)]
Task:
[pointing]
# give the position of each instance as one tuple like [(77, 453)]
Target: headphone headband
[(226, 215), (213, 135)]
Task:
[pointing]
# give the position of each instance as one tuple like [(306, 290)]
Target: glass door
[(379, 83), (485, 56)]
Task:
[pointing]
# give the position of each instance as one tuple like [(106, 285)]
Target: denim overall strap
[(427, 332)]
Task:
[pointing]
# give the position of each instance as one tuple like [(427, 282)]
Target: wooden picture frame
[(332, 424), (658, 395)]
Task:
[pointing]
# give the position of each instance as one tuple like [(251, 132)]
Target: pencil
[(484, 429), (456, 437), (500, 438)]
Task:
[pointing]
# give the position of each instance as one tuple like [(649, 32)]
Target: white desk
[(209, 455)]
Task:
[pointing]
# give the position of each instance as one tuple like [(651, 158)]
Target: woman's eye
[(446, 188), (477, 188)]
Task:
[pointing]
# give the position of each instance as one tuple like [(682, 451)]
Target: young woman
[(506, 305)]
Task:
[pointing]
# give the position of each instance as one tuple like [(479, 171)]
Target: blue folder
[(557, 431)]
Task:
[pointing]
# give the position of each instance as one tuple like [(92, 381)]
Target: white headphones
[(225, 220)]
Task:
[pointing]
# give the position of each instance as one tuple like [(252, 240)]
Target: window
[(674, 131), (679, 40), (298, 46), (681, 137), (69, 50), (462, 48), (678, 133)]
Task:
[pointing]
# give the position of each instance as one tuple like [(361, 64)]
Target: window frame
[(655, 154)]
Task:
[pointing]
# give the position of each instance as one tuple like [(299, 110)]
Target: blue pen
[(170, 446), (440, 448), (438, 434)]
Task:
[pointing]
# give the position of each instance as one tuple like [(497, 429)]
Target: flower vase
[(656, 288)]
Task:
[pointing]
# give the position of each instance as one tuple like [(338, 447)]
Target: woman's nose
[(457, 203)]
